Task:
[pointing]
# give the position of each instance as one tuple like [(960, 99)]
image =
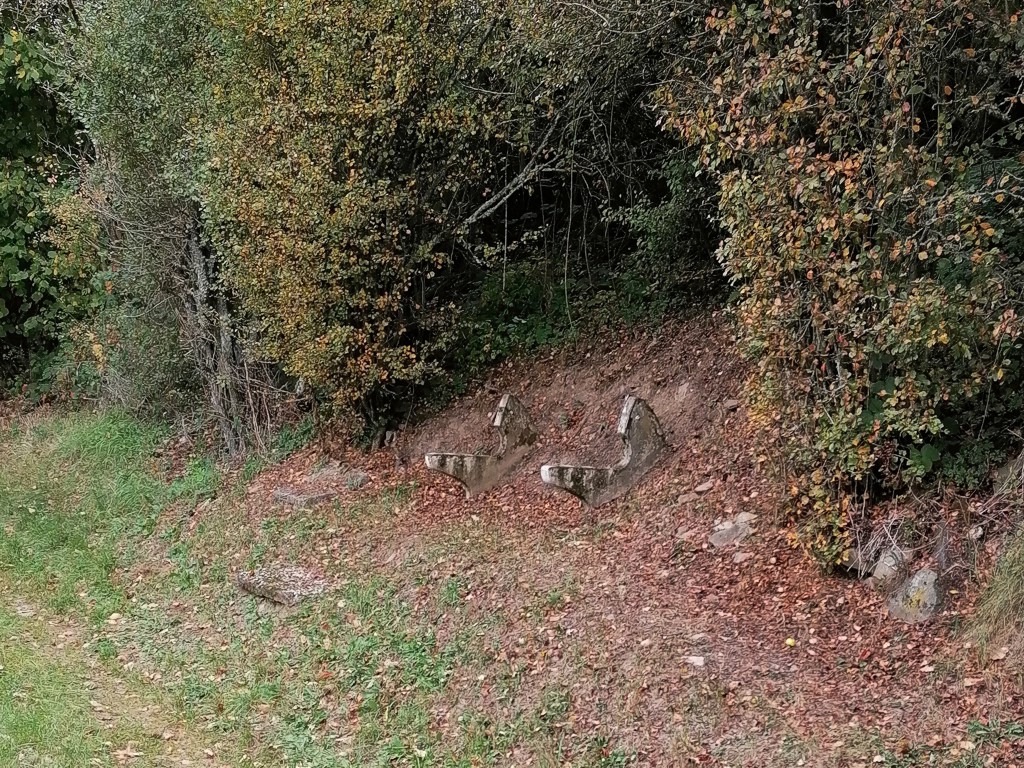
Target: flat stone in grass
[(320, 486), (355, 479), (303, 499), (284, 584)]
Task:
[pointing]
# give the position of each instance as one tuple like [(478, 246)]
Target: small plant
[(555, 703), (601, 754), (1001, 611), (105, 649), (453, 591), (199, 482), (995, 732), (291, 438), (187, 571)]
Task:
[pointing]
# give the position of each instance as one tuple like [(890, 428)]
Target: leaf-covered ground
[(515, 628)]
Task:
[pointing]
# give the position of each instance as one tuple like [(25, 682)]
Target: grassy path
[(61, 707)]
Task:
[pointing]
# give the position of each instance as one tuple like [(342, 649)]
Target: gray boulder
[(729, 533), (890, 566), (918, 599)]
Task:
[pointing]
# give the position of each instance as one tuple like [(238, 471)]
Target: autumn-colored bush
[(379, 198), (381, 176), (340, 161), (870, 162)]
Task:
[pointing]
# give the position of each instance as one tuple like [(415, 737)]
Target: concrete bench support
[(643, 444), (480, 472)]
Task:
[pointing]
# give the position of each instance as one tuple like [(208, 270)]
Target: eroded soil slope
[(683, 652)]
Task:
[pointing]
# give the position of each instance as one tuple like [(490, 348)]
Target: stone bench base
[(643, 445), (481, 472)]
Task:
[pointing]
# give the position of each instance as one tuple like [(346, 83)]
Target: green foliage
[(357, 217), (41, 290), (869, 157), (509, 315), (291, 438), (669, 268), (382, 198), (337, 236)]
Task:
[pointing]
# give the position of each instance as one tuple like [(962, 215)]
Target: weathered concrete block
[(480, 472), (302, 499), (918, 599), (643, 444), (284, 584)]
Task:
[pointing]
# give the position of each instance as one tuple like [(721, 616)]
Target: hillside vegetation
[(241, 210)]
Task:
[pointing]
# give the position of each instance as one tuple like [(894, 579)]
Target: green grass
[(995, 732), (73, 492), (1001, 612), (354, 679), (42, 720), (200, 481), (45, 713), (357, 678)]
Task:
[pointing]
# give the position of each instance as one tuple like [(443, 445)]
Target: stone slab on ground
[(355, 479), (284, 584), (320, 486), (303, 499)]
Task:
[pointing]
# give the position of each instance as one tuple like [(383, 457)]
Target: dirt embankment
[(683, 651)]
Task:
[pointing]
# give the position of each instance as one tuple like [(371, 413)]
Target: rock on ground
[(731, 532), (890, 566), (857, 560), (285, 584), (356, 479), (918, 598), (302, 500)]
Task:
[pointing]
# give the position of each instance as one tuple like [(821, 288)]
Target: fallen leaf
[(1000, 654)]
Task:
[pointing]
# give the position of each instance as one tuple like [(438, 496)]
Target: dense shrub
[(375, 198), (870, 162), (41, 290), (379, 218), (379, 198), (143, 75), (337, 190)]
